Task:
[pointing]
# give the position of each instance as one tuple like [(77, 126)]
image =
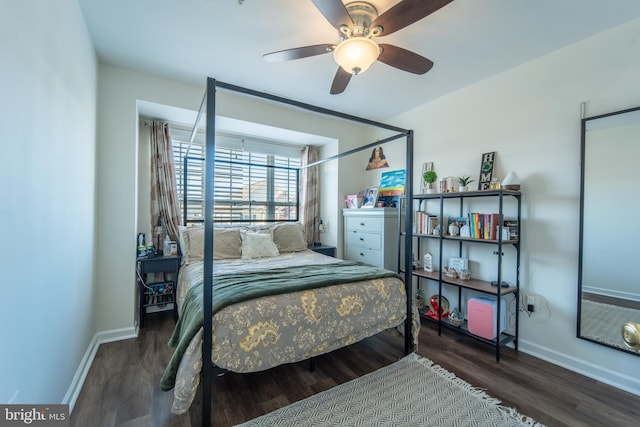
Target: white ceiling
[(468, 40)]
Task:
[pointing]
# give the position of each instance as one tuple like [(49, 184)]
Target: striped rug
[(410, 392)]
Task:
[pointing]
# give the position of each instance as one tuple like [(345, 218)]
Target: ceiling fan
[(358, 24)]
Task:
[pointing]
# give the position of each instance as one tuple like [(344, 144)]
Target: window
[(254, 181)]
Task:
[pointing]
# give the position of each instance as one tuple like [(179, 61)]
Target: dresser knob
[(361, 254), (362, 224), (361, 239)]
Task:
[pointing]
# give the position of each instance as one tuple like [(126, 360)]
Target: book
[(514, 228)]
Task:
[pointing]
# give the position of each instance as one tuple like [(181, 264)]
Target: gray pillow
[(289, 237)]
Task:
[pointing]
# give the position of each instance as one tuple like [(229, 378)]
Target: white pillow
[(258, 245)]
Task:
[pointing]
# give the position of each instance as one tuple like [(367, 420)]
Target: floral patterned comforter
[(262, 333)]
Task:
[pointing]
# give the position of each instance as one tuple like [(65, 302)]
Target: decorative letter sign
[(486, 170)]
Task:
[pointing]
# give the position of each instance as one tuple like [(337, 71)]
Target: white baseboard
[(612, 378), (612, 293), (73, 392)]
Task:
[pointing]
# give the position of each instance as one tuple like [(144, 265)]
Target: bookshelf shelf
[(474, 284)]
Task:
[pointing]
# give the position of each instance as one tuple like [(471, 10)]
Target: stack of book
[(513, 227), (424, 223)]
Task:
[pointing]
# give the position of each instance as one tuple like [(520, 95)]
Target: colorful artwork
[(392, 183), (377, 160)]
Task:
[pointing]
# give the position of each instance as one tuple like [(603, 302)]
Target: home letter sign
[(486, 170)]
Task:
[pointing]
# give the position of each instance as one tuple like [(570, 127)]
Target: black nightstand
[(324, 250), (159, 293)]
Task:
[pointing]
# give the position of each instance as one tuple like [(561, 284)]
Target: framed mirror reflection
[(609, 259)]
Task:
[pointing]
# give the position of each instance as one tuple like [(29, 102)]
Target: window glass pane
[(249, 186)]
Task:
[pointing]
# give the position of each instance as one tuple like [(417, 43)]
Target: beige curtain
[(164, 194), (310, 210)]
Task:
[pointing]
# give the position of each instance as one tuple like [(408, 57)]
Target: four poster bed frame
[(208, 109)]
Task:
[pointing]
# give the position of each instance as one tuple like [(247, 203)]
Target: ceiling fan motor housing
[(362, 15)]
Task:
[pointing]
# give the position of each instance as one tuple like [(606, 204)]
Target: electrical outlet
[(531, 304)]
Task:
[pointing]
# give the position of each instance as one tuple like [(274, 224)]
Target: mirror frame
[(583, 140)]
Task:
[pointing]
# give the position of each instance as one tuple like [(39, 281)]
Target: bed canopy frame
[(208, 111)]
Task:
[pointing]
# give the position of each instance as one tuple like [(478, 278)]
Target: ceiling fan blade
[(335, 12), (406, 13), (404, 59), (340, 81), (298, 52)]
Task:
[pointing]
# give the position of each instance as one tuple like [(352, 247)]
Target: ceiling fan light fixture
[(356, 54)]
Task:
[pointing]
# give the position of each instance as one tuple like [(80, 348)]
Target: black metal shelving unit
[(481, 286)]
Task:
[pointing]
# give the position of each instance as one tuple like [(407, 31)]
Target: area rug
[(603, 322), (411, 392)]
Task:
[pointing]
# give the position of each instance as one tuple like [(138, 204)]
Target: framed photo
[(370, 197), (458, 264), (352, 201)]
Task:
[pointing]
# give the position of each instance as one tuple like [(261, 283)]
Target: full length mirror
[(609, 261)]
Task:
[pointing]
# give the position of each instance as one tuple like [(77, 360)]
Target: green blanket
[(233, 288)]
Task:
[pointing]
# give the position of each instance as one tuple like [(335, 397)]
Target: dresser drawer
[(366, 240), (366, 255), (372, 224)]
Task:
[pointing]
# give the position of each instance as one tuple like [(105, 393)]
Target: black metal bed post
[(207, 291), (408, 244)]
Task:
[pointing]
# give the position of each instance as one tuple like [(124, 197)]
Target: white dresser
[(371, 236)]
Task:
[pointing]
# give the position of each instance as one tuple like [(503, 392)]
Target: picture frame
[(352, 201), (370, 197), (458, 264)]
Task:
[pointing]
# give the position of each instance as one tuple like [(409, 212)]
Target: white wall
[(530, 115), (119, 92), (48, 78)]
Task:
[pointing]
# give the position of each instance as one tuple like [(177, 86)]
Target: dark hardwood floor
[(122, 388)]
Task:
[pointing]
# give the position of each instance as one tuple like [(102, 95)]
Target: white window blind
[(251, 184)]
